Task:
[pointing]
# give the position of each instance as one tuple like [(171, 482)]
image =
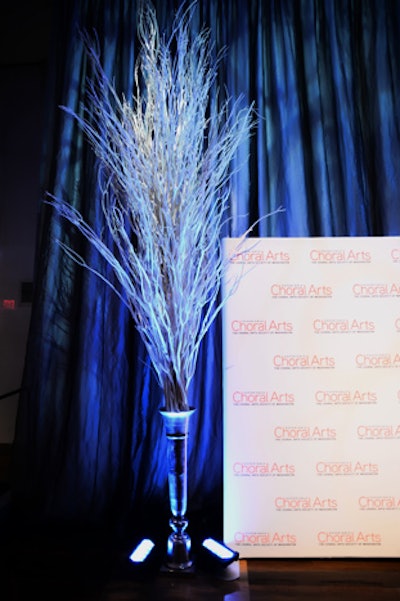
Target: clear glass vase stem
[(179, 544)]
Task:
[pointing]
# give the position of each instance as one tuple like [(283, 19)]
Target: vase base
[(178, 552), (185, 572), (187, 568)]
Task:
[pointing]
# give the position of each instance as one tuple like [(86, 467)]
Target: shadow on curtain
[(325, 77)]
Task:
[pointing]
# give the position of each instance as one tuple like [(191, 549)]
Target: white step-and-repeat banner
[(311, 352)]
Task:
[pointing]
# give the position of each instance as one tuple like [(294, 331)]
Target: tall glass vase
[(177, 429)]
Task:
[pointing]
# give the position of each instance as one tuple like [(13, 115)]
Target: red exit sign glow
[(9, 304)]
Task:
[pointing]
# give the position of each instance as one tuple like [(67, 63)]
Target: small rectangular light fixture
[(215, 557), (142, 551), (221, 551), (143, 561)]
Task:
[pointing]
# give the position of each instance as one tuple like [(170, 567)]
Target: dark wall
[(24, 38)]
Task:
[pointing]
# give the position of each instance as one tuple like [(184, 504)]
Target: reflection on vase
[(179, 543)]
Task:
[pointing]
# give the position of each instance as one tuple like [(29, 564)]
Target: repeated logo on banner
[(311, 355)]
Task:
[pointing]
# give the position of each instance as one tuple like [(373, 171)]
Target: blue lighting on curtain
[(325, 77)]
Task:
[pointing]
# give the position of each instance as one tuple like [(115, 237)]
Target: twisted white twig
[(164, 161)]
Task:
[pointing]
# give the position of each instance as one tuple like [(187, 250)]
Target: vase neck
[(176, 422)]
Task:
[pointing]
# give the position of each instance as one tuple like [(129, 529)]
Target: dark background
[(24, 45)]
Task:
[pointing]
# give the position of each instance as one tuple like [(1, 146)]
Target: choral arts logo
[(265, 539), (383, 503), (262, 398), (345, 397), (346, 468), (343, 326), (260, 257), (261, 326), (263, 469), (279, 290), (390, 432), (303, 362), (304, 433), (351, 255), (377, 360), (348, 538), (395, 255), (305, 504), (376, 290)]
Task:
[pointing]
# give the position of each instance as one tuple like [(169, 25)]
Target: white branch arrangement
[(164, 158)]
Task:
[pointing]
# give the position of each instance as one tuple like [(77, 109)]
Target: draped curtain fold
[(325, 79)]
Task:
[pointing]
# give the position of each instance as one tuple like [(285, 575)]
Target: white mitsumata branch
[(164, 158)]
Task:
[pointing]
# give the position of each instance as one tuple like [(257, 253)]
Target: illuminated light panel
[(219, 549), (142, 551)]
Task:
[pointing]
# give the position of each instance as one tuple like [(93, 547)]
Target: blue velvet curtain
[(325, 78)]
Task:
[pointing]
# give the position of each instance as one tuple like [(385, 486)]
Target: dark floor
[(260, 580), (54, 568), (71, 567)]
